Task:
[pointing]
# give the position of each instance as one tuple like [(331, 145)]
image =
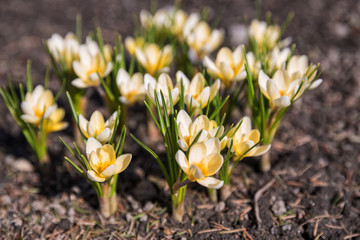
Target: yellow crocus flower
[(103, 161), (204, 161), (188, 130), (196, 93), (64, 50), (229, 65), (91, 64), (154, 59), (132, 89), (97, 127), (245, 138)]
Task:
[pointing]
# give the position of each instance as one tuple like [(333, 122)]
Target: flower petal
[(212, 164), (94, 176), (91, 145), (282, 102), (182, 161), (197, 153), (212, 146), (122, 162), (109, 171), (104, 136), (210, 182)]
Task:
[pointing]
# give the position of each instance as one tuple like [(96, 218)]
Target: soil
[(312, 190)]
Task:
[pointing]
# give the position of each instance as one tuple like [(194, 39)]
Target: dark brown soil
[(315, 155)]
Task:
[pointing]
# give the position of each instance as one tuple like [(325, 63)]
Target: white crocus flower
[(37, 105), (97, 127), (188, 130), (103, 161), (196, 93), (91, 64), (201, 39), (264, 36), (278, 58), (64, 50), (298, 67), (280, 89), (131, 88), (229, 66), (204, 161), (163, 85), (244, 139)]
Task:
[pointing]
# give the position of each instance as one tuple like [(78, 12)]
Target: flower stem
[(213, 195), (108, 203)]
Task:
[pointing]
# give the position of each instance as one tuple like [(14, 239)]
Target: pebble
[(220, 206), (20, 164), (286, 227), (278, 207), (148, 206)]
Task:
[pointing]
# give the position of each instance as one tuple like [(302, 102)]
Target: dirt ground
[(312, 192)]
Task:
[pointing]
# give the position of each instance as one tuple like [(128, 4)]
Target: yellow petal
[(122, 162), (109, 171), (197, 153), (224, 55), (97, 122), (212, 164)]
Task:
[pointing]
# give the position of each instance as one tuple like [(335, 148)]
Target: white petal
[(109, 171), (182, 161), (197, 153), (316, 83), (104, 136), (79, 83), (283, 101), (182, 145), (181, 77), (210, 65), (212, 146), (27, 109), (94, 177), (211, 182), (91, 145)]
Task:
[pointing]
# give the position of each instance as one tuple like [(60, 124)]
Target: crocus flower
[(131, 44), (37, 105), (204, 161), (54, 122), (195, 92), (245, 138), (154, 59), (161, 20), (92, 64), (298, 67), (228, 66), (277, 58), (188, 130), (64, 50), (103, 161), (201, 39), (131, 88), (280, 89), (97, 127), (265, 36), (163, 85)]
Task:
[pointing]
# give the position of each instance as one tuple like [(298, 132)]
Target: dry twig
[(257, 196)]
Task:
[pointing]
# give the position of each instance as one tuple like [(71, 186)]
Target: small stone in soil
[(220, 206), (278, 207)]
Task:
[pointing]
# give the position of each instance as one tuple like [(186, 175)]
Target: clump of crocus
[(229, 65), (104, 159), (196, 94), (132, 88), (64, 50), (37, 115), (93, 63), (97, 127)]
